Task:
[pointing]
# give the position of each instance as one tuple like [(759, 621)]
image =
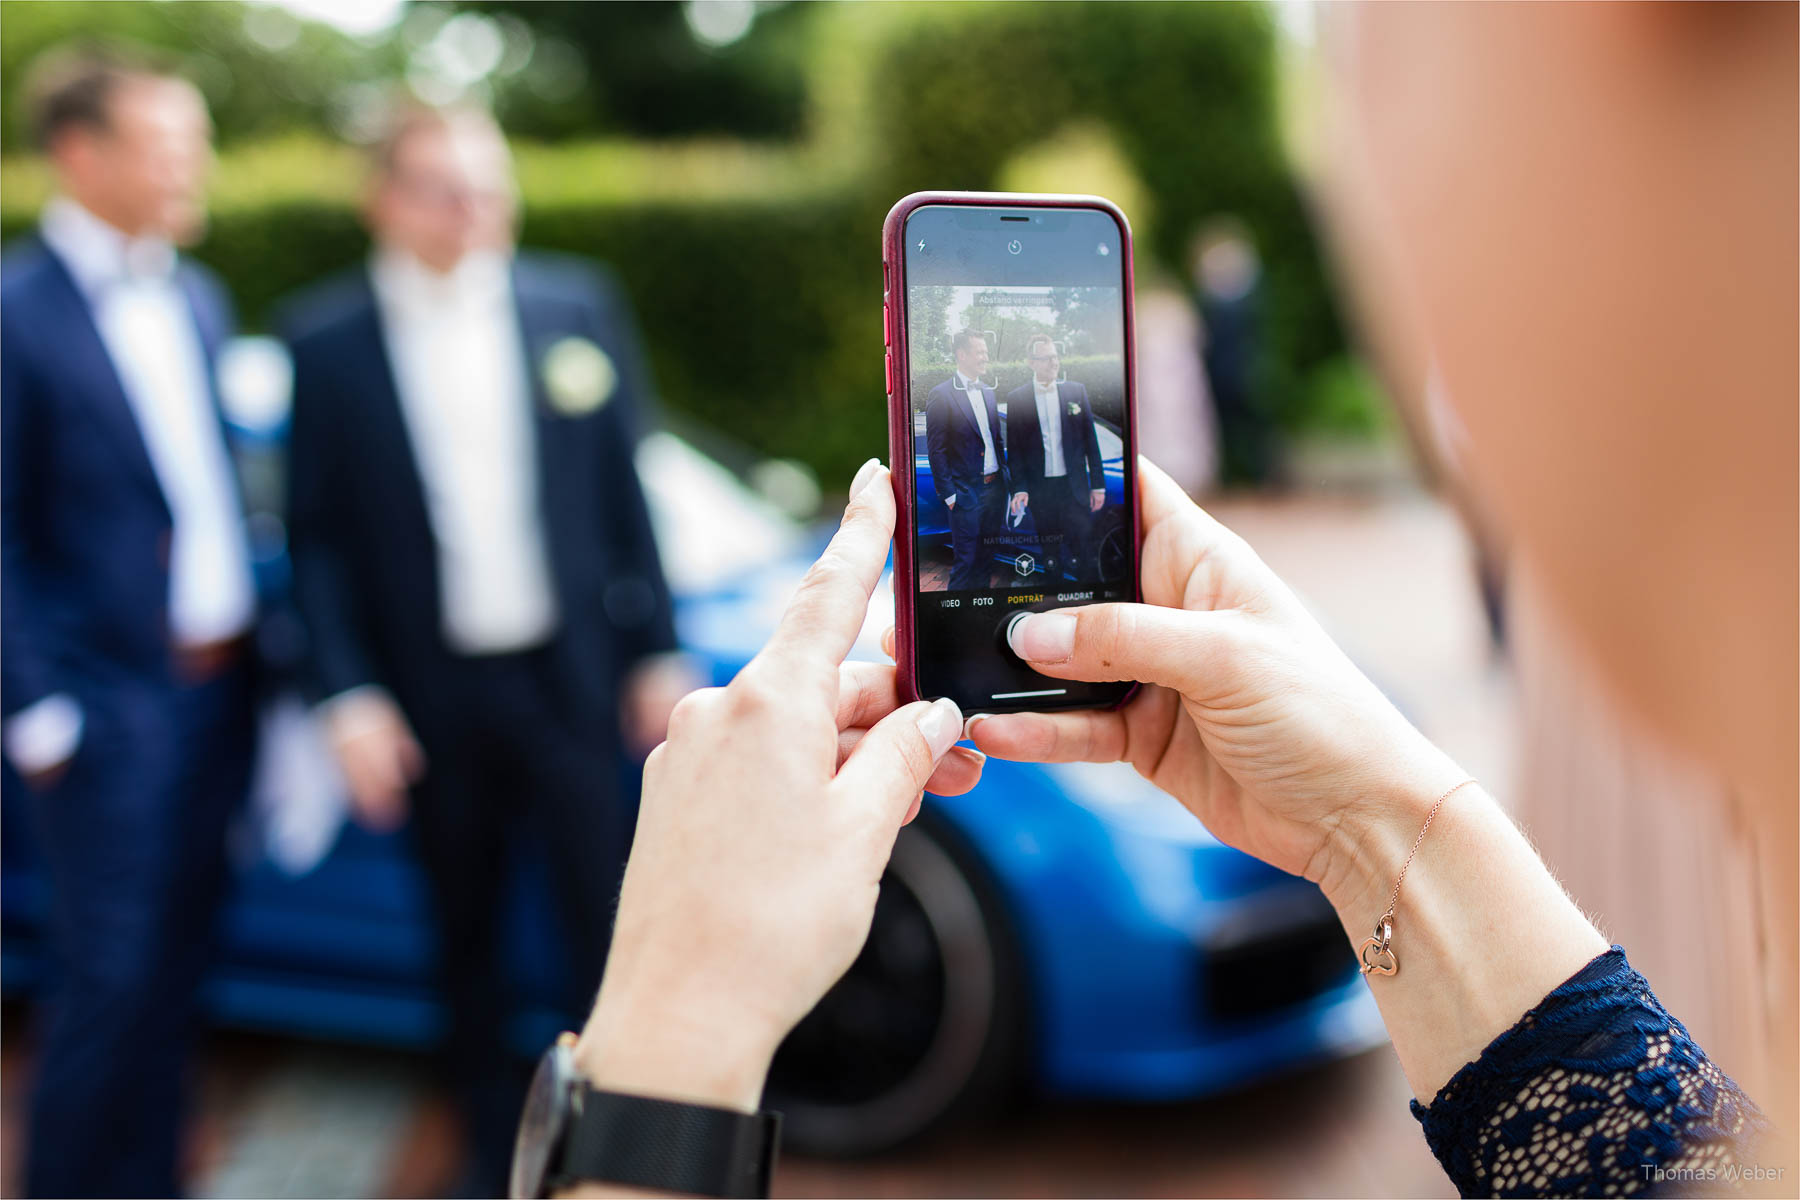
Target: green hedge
[(756, 271)]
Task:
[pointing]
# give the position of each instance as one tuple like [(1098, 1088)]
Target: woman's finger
[(867, 692), (827, 612), (1143, 642), (957, 772), (1052, 737), (896, 759)]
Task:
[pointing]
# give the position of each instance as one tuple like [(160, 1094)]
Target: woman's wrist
[(675, 1049), (1369, 840), (1481, 929)]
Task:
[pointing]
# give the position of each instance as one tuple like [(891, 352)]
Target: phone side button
[(888, 360)]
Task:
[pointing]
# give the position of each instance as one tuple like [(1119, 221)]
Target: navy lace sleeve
[(1597, 1091)]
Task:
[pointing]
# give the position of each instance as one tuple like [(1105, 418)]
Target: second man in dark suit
[(1054, 457), (474, 563), (968, 461)]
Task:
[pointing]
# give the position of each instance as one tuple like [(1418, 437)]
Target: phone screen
[(1016, 339)]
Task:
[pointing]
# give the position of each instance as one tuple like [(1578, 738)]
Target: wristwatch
[(572, 1133)]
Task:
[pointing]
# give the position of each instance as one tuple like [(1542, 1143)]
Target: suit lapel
[(1074, 445), (552, 447), (386, 438), (1070, 443), (213, 331), (960, 399), (92, 374), (992, 410)]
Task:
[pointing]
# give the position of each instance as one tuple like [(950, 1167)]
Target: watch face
[(546, 1119)]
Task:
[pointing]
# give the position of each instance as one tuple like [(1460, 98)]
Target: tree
[(928, 322)]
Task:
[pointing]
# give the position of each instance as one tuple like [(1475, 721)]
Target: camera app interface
[(1016, 341)]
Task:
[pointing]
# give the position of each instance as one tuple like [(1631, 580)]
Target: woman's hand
[(767, 820), (1251, 716)]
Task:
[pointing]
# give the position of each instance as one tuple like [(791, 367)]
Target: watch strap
[(668, 1146)]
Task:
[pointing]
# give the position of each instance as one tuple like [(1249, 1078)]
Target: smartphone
[(1011, 433)]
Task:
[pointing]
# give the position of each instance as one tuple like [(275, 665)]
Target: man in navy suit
[(128, 605), (489, 625), (1053, 454), (968, 461)]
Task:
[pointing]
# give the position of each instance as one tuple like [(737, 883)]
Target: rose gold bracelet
[(1377, 953)]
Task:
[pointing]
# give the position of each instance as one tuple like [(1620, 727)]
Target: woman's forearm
[(1482, 930)]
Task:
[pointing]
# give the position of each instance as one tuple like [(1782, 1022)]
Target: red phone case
[(899, 385)]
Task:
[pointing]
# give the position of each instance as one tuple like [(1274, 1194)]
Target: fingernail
[(942, 725), (864, 473), (972, 722), (1047, 637)]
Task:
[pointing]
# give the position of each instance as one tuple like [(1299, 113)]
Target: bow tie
[(143, 261)]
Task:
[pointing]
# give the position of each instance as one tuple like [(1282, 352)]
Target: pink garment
[(1175, 416)]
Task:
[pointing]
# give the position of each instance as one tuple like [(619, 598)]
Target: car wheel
[(926, 1024), (1114, 556)]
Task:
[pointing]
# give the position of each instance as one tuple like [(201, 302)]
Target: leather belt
[(202, 662), (990, 478)]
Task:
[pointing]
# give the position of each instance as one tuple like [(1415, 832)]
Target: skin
[(700, 987), (447, 193), (1260, 726), (1580, 219), (972, 361), (144, 172), (1627, 358)]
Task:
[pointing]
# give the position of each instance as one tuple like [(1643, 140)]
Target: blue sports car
[(1069, 925)]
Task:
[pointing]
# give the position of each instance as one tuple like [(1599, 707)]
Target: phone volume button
[(888, 362)]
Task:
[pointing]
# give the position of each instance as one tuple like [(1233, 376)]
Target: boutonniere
[(579, 377), (1074, 408)]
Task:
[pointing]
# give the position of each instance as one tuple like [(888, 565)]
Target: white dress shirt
[(990, 462), (461, 374), (148, 329), (1049, 412)]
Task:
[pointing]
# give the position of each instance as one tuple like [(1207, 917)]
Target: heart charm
[(1378, 958)]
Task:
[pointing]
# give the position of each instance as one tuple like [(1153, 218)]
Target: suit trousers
[(974, 530), (133, 840), (1061, 518), (505, 759)]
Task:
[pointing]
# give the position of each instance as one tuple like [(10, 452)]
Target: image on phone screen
[(1016, 374)]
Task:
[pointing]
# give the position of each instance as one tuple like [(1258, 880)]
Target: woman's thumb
[(1101, 643)]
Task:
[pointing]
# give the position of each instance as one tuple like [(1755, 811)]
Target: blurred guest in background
[(1174, 406), (1053, 457), (962, 439), (489, 625), (128, 605), (1228, 277)]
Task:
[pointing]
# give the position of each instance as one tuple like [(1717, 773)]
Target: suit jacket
[(359, 533), (953, 440), (84, 528), (1080, 444)]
